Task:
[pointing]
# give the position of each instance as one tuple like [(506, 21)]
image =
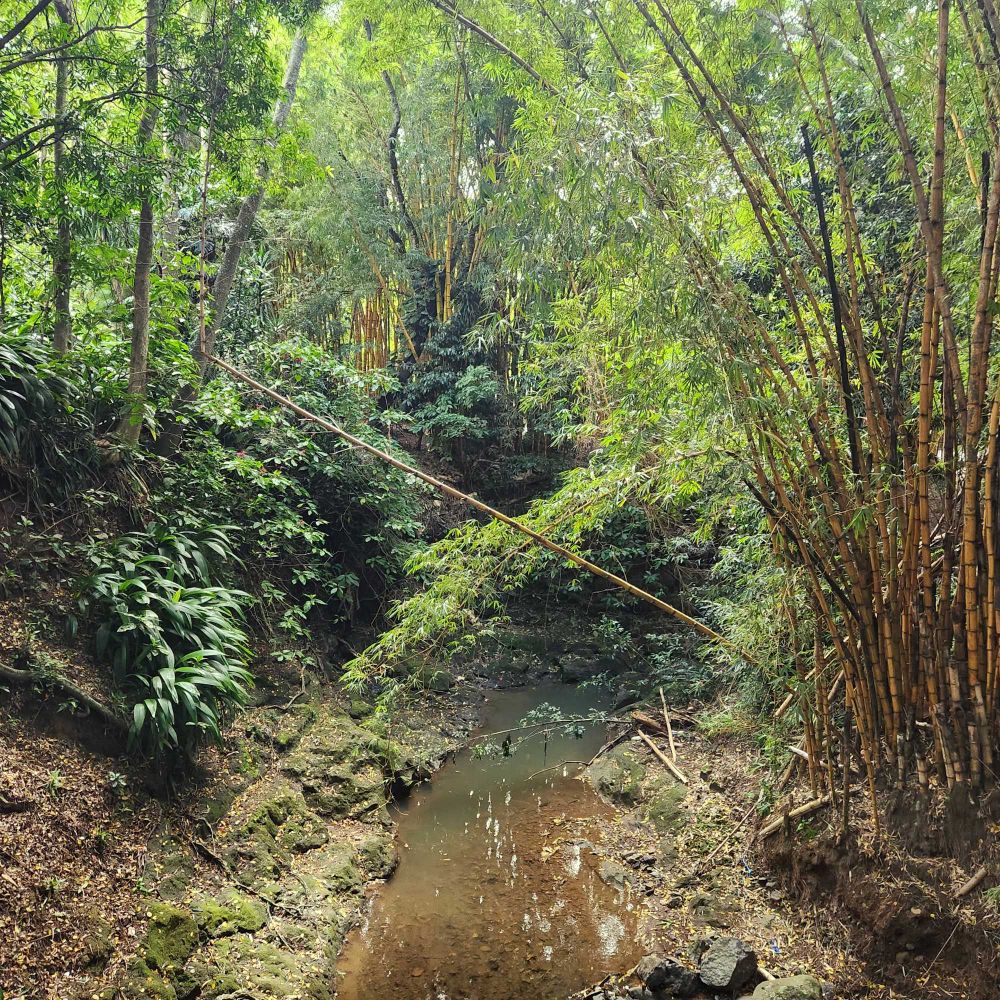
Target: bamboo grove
[(890, 512), (864, 379)]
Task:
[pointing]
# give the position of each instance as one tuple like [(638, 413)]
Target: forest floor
[(248, 874)]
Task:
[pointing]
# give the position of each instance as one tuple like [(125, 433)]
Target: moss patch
[(665, 811), (171, 937), (230, 915)]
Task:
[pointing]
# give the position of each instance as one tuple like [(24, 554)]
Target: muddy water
[(497, 895)]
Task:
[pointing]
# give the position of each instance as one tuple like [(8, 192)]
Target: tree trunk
[(248, 210), (62, 267), (131, 423)]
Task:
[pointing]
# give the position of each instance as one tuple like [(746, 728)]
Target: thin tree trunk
[(62, 267), (131, 424), (251, 204)]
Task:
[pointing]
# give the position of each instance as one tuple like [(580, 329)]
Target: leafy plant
[(55, 783), (173, 640)]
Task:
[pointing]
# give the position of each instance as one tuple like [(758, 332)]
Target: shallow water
[(495, 897)]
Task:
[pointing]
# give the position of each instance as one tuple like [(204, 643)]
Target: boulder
[(232, 914), (792, 988), (618, 777), (664, 977), (359, 708), (614, 874), (727, 964), (574, 668)]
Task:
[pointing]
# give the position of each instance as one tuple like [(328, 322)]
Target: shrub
[(175, 641), (45, 450)]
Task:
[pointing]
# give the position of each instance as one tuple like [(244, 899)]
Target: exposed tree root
[(24, 678)]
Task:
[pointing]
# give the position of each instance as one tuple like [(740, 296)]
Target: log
[(671, 766), (642, 719), (797, 813)]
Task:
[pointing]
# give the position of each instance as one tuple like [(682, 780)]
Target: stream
[(497, 895)]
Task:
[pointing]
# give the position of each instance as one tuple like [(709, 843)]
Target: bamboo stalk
[(670, 729), (671, 766)]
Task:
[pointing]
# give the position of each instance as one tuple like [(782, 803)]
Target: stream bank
[(254, 877), (257, 896)]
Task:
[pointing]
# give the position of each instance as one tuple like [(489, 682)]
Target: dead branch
[(972, 884), (671, 766), (807, 809)]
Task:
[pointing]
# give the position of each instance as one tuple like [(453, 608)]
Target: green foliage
[(174, 641), (466, 575), (324, 527), (44, 449)]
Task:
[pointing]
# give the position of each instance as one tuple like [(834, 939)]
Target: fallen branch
[(649, 722), (797, 813), (549, 724), (610, 745), (700, 866), (28, 677), (671, 766), (553, 767), (973, 883), (670, 730)]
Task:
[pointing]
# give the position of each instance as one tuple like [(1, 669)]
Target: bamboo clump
[(887, 519)]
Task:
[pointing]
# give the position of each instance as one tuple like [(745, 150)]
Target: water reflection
[(497, 895)]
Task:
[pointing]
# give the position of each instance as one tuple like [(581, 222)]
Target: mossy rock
[(98, 940), (293, 724), (143, 984), (232, 914), (377, 855), (302, 834), (345, 794), (434, 678), (171, 938), (359, 708), (335, 866), (230, 964), (618, 777), (259, 845), (172, 866), (234, 964), (664, 810)]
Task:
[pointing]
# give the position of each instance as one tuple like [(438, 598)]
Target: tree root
[(25, 678)]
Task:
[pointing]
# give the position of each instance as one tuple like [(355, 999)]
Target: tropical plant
[(175, 642)]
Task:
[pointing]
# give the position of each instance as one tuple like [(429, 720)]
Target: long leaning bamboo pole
[(484, 508)]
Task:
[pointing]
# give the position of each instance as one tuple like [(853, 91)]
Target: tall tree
[(62, 268), (250, 206), (131, 423)]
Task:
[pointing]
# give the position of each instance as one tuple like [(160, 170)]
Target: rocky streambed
[(252, 894)]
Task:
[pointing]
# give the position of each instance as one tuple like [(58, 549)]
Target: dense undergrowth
[(254, 533)]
